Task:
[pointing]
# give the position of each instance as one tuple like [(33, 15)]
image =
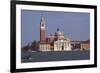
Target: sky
[(74, 25)]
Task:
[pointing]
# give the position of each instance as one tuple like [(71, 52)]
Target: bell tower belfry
[(42, 29)]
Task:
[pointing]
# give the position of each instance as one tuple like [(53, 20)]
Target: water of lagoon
[(54, 56)]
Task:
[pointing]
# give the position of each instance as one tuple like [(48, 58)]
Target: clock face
[(42, 25)]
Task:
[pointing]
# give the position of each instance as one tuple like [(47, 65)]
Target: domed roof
[(59, 33)]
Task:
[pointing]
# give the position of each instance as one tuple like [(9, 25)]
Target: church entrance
[(62, 47)]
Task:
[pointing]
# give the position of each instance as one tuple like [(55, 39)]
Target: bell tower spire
[(42, 29)]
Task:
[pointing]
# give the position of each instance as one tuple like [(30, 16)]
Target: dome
[(59, 33)]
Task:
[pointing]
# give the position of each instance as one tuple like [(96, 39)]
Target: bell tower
[(42, 29)]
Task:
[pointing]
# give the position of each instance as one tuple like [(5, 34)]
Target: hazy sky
[(75, 25)]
